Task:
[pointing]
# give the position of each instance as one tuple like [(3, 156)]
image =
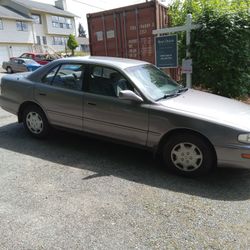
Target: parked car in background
[(132, 102), (20, 65), (39, 57)]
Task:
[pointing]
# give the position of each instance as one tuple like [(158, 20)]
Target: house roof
[(7, 13), (47, 8)]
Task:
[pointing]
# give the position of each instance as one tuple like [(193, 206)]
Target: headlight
[(245, 138)]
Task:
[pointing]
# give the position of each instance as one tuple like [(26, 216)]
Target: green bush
[(221, 53), (220, 49)]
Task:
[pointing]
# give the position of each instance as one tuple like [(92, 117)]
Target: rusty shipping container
[(127, 31)]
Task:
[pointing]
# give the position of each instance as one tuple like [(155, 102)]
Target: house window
[(59, 40), (44, 40), (21, 26), (61, 22), (37, 18), (1, 24), (38, 40)]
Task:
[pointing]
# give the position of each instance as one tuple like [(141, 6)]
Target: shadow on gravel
[(132, 164)]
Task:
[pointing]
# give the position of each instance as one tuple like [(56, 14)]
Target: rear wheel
[(188, 154), (35, 121), (9, 70)]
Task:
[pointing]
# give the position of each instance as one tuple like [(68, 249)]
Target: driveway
[(74, 192)]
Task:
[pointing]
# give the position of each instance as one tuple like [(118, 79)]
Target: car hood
[(211, 107)]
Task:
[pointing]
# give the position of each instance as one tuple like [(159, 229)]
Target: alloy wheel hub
[(186, 156), (34, 122)]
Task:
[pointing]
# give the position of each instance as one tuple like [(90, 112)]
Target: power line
[(90, 5)]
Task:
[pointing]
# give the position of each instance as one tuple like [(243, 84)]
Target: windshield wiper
[(168, 96), (176, 93), (182, 89)]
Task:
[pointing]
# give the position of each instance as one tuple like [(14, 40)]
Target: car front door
[(107, 115), (20, 65), (60, 95)]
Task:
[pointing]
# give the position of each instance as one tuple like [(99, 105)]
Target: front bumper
[(231, 156)]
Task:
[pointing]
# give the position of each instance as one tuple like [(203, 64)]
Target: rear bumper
[(231, 156)]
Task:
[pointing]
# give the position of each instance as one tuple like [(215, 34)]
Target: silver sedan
[(132, 102), (20, 65)]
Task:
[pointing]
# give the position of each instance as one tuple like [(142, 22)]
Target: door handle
[(42, 94), (91, 103)]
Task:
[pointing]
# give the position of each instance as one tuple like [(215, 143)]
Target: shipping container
[(127, 31)]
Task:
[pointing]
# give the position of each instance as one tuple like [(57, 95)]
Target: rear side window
[(66, 76), (49, 77), (29, 56), (24, 56)]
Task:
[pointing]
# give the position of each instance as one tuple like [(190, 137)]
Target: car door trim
[(115, 125)]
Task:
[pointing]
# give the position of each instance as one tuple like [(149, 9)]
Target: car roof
[(114, 62), (24, 59), (31, 53), (121, 63)]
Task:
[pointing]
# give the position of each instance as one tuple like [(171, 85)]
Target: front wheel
[(9, 70), (35, 121), (189, 155)]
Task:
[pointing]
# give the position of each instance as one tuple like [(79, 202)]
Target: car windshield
[(153, 81)]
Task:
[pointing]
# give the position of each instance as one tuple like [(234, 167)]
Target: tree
[(179, 9), (72, 43), (220, 49), (81, 31)]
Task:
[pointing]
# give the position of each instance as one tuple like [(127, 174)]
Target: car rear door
[(60, 95), (107, 115)]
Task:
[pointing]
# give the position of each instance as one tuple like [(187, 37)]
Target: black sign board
[(166, 51)]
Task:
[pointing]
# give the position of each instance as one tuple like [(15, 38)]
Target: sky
[(83, 7)]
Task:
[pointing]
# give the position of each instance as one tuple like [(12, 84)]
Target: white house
[(27, 26)]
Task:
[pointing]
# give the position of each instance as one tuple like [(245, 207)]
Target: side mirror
[(130, 96)]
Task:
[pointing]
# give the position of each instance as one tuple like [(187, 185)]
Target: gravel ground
[(73, 192)]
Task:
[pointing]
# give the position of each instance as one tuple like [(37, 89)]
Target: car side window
[(49, 77), (106, 81), (69, 76), (19, 61), (24, 55), (40, 57)]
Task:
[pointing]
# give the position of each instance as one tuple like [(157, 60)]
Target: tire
[(35, 121), (9, 70), (189, 155)]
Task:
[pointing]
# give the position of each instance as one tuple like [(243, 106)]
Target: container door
[(137, 26)]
